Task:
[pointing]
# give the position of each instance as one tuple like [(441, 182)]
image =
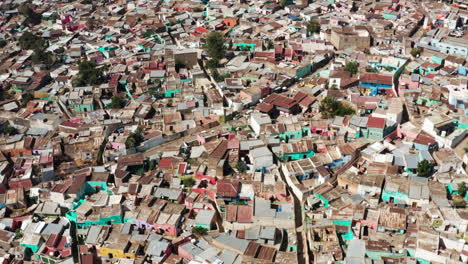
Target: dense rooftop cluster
[(229, 132)]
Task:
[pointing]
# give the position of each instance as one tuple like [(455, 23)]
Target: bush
[(331, 107), (3, 43)]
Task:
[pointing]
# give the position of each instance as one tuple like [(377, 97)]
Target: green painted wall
[(33, 248), (325, 201), (84, 108), (342, 222), (297, 156), (397, 197)]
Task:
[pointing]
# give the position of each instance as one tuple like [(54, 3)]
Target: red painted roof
[(165, 163), (264, 54), (201, 30), (244, 214), (182, 168), (231, 213), (376, 122), (228, 188), (233, 144), (376, 78), (264, 107), (280, 100)]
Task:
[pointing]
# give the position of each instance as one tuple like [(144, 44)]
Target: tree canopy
[(134, 139), (283, 3), (424, 169), (6, 129), (25, 98), (354, 7), (331, 107), (214, 45), (313, 27), (32, 17), (89, 74), (352, 67), (416, 52), (40, 56), (117, 102), (29, 41)]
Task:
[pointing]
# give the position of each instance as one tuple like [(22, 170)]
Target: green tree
[(424, 169), (60, 50), (117, 102), (354, 7), (462, 189), (212, 64), (241, 166), (179, 65), (188, 182), (214, 45), (18, 233), (148, 33), (32, 18), (313, 27), (40, 56), (331, 107), (134, 139), (25, 98), (352, 67), (217, 76), (3, 43), (283, 3), (53, 17), (89, 74), (6, 129), (371, 69), (30, 41), (152, 165), (269, 44), (91, 23), (199, 231), (416, 52)]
